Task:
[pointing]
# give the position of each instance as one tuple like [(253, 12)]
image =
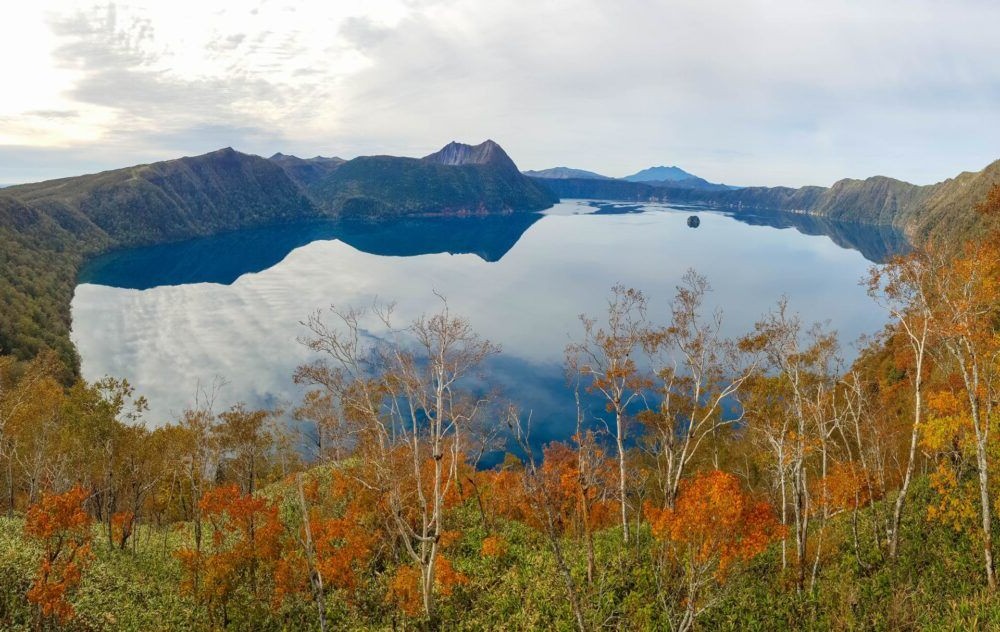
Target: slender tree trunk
[(588, 534), (315, 577), (984, 499), (619, 436), (897, 511)]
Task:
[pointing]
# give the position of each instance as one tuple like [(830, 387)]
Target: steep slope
[(562, 173), (38, 263), (48, 229), (457, 154), (306, 171), (946, 209), (172, 200), (459, 179)]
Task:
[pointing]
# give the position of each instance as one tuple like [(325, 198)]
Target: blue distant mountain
[(672, 177), (660, 174)]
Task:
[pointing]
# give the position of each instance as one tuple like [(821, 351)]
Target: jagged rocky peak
[(487, 153)]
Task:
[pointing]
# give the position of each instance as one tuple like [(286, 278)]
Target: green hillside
[(459, 179)]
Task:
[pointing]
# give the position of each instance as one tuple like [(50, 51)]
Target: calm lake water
[(171, 317)]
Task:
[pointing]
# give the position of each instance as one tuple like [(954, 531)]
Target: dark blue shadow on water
[(224, 258)]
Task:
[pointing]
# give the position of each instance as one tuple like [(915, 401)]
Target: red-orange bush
[(62, 527), (716, 523)]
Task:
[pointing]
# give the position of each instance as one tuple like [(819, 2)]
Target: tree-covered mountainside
[(943, 210), (38, 263), (306, 171), (459, 179), (172, 200), (48, 229)]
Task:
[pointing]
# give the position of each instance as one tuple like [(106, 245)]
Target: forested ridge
[(49, 228), (940, 211), (837, 497)]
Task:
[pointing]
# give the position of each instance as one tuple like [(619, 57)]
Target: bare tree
[(405, 394), (903, 288), (606, 357), (699, 371)]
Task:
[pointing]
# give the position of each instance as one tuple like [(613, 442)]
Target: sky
[(746, 92)]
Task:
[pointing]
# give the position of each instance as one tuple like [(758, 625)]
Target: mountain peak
[(485, 153), (660, 174)]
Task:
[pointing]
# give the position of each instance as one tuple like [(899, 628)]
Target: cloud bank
[(743, 91)]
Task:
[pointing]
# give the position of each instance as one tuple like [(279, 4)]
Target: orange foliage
[(956, 505), (716, 522), (62, 527), (494, 546), (121, 527), (404, 589), (844, 487), (563, 487), (246, 546)]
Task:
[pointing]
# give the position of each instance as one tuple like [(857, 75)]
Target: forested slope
[(48, 229)]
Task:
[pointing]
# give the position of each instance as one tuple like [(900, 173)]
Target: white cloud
[(748, 92)]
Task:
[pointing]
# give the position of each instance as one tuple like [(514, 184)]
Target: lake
[(171, 317)]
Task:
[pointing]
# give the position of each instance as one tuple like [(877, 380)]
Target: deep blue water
[(174, 316)]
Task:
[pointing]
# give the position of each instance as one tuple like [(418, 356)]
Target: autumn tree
[(333, 529), (904, 287), (245, 437), (246, 536), (967, 295), (698, 373), (788, 410), (103, 422), (30, 399), (323, 425), (607, 358), (542, 498), (866, 438), (713, 527), (59, 523), (405, 394)]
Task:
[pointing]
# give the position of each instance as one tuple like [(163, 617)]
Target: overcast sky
[(745, 92)]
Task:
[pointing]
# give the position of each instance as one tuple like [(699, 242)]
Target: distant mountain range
[(653, 176), (945, 209)]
